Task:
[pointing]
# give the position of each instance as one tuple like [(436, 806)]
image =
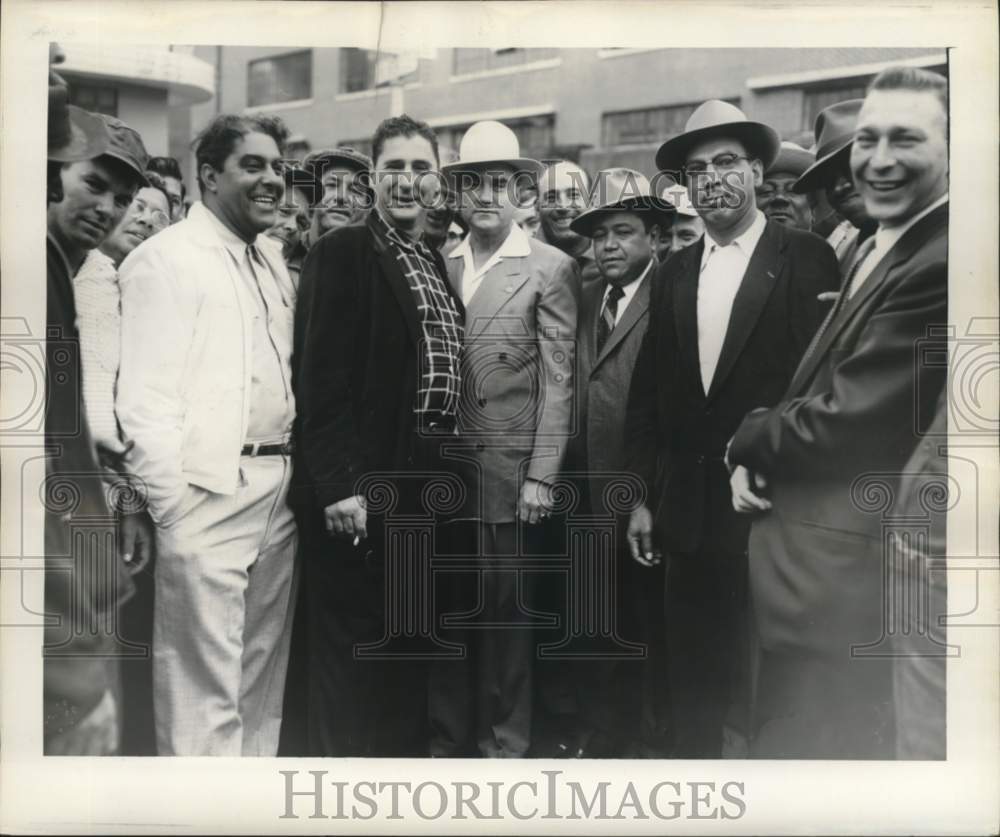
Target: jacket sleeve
[(866, 417), (642, 443), (328, 313), (158, 323), (556, 331)]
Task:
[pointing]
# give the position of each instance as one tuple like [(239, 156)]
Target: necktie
[(608, 316), (851, 285)]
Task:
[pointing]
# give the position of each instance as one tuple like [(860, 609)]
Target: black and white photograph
[(609, 389)]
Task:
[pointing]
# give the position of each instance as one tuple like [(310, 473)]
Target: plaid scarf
[(443, 332)]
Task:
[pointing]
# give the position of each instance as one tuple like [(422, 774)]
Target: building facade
[(144, 86), (601, 107)]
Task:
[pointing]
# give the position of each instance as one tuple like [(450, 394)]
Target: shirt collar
[(746, 241), (230, 240), (630, 289), (516, 245), (886, 238)]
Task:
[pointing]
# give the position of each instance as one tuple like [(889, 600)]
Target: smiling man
[(563, 193), (343, 199), (377, 379), (851, 413), (205, 398), (729, 318)]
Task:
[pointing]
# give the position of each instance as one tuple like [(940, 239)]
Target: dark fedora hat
[(834, 134), (621, 190), (716, 118)]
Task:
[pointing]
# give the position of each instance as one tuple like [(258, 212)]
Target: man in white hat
[(776, 195), (563, 193), (729, 319), (680, 228), (515, 418)]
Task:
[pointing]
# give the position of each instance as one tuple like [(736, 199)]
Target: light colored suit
[(225, 537), (517, 409)]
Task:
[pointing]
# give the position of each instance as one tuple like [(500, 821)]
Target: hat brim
[(818, 175), (583, 224), (760, 140), (520, 164), (88, 138), (138, 173), (792, 161)]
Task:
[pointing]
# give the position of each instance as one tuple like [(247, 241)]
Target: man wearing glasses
[(730, 316)]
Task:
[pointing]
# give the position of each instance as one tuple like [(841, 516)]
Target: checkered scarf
[(439, 389)]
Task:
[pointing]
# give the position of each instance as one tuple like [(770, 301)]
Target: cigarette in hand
[(357, 540)]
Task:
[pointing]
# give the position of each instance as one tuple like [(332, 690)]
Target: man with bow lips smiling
[(205, 397)]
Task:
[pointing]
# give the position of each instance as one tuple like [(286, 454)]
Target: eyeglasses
[(721, 162), (158, 219)]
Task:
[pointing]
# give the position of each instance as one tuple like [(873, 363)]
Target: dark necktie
[(607, 322)]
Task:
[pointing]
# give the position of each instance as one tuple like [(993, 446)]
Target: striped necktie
[(608, 316)]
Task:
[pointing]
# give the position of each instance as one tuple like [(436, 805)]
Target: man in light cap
[(832, 173), (776, 195), (514, 419), (729, 319), (563, 193), (680, 228), (344, 196)]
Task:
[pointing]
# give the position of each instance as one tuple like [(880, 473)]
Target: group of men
[(343, 417)]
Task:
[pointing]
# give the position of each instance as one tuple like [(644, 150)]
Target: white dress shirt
[(722, 271), (628, 292), (885, 240), (515, 246)]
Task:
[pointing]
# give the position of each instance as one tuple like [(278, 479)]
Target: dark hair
[(156, 182), (216, 140), (166, 167), (402, 126), (913, 78)]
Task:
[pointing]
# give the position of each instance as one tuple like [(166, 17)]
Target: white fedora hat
[(716, 118), (491, 143), (678, 196)]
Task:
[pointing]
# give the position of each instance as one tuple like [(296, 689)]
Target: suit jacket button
[(482, 402), (480, 446), (701, 460), (502, 356)]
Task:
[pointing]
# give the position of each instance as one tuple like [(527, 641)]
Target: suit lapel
[(393, 275), (632, 314), (761, 275), (684, 287), (911, 241), (498, 287), (590, 309)]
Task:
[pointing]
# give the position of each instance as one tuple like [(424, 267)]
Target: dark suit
[(676, 438), (356, 374), (618, 698), (816, 559)]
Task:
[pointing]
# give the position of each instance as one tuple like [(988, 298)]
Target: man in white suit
[(205, 398), (515, 415)]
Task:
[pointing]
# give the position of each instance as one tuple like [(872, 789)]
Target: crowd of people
[(371, 438)]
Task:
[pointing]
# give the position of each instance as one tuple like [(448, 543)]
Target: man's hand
[(640, 537), (347, 517), (135, 539), (95, 735), (743, 485), (535, 502)]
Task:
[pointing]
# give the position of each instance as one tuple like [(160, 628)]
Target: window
[(635, 127), (366, 69), (535, 135), (481, 60), (817, 99), (279, 78), (95, 98)]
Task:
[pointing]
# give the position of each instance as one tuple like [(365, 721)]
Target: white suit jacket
[(184, 382)]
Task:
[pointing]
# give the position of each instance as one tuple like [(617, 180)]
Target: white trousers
[(225, 586)]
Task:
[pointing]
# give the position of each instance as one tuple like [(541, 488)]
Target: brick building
[(601, 107)]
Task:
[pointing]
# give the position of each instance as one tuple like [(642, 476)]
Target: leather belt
[(268, 449)]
